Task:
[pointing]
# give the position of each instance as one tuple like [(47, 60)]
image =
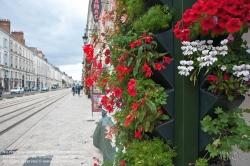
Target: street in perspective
[(50, 128)]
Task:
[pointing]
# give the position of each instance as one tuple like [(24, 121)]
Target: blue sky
[(55, 27)]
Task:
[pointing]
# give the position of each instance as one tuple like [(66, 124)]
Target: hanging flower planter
[(208, 103)]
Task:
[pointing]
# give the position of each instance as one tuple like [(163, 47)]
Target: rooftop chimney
[(5, 25), (18, 35)]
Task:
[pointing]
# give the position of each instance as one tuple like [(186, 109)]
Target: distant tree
[(63, 81)]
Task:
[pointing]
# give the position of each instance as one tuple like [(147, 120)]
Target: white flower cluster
[(206, 52), (113, 140), (242, 71), (123, 151), (186, 67)]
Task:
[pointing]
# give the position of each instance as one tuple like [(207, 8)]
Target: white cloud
[(55, 27), (73, 70)]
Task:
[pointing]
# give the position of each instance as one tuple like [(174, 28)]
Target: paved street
[(7, 94), (62, 138)]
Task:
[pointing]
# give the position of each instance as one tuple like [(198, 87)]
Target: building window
[(11, 45), (16, 62), (5, 73), (5, 59), (5, 43), (11, 61), (15, 48)]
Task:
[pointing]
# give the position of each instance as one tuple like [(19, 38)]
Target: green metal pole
[(186, 102)]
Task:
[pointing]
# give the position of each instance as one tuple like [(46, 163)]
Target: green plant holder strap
[(186, 102)]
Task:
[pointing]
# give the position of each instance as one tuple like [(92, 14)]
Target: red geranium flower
[(123, 163), (194, 16), (159, 66), (138, 134), (212, 78), (186, 15), (119, 68), (149, 72), (107, 52), (185, 38), (128, 120), (118, 92), (148, 39), (138, 43), (222, 21), (99, 65), (228, 5), (233, 25), (89, 82), (132, 91), (217, 29), (221, 12), (166, 59), (207, 23), (132, 45), (104, 100), (107, 60), (238, 9), (145, 67), (132, 82), (177, 32), (210, 8), (135, 106), (186, 32), (125, 70), (198, 8)]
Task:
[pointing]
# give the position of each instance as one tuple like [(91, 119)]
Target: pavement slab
[(62, 138)]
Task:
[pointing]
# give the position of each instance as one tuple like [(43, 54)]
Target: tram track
[(33, 104), (21, 101), (13, 121)]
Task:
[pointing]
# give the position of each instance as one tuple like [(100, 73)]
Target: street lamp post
[(85, 38)]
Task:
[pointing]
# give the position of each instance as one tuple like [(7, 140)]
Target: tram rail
[(15, 117)]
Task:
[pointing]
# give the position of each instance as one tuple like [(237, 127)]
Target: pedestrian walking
[(78, 89), (73, 90)]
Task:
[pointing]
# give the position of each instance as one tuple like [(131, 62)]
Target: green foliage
[(156, 18), (147, 153), (155, 97), (63, 81), (134, 8), (230, 129)]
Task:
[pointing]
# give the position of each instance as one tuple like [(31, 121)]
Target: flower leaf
[(151, 105)]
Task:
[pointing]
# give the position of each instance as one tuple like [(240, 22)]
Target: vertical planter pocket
[(208, 103), (165, 78)]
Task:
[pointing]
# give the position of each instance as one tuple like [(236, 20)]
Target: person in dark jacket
[(78, 89), (73, 90)]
